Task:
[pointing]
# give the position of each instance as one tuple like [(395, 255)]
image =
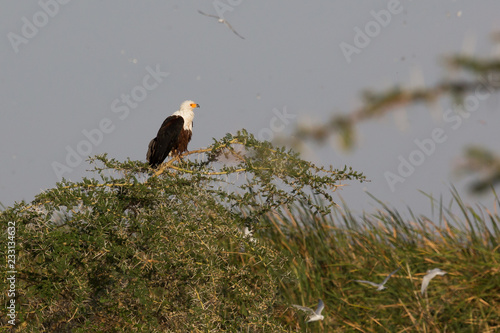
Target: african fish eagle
[(173, 136)]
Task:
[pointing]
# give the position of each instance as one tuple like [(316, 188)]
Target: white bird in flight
[(431, 273), (221, 20), (380, 286), (314, 315)]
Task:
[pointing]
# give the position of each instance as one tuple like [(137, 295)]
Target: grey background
[(65, 79)]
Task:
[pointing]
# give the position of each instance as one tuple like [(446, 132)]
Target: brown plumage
[(173, 136)]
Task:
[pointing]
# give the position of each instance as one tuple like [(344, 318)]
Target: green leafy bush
[(158, 251)]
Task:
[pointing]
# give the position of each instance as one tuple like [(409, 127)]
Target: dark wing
[(202, 13), (232, 29), (165, 140)]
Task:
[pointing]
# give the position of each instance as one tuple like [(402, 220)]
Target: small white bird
[(431, 273), (221, 20), (314, 315), (380, 286), (247, 233)]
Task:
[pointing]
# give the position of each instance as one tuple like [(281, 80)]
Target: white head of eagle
[(173, 136)]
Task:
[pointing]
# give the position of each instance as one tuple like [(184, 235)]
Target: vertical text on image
[(11, 272)]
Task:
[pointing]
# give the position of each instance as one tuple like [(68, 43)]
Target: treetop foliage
[(138, 249)]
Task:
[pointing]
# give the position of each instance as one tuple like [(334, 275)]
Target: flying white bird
[(314, 315), (221, 20), (380, 286), (431, 273)]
